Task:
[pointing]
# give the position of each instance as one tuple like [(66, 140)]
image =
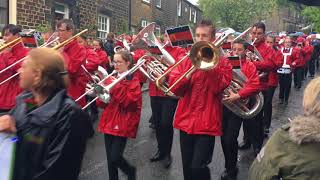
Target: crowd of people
[(43, 107)]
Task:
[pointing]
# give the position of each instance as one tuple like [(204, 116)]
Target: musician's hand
[(294, 64), (7, 124), (232, 97)]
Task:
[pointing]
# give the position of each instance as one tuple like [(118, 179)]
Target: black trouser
[(196, 152), (312, 67), (163, 109), (285, 86), (92, 110), (253, 131), (114, 147), (297, 77), (267, 107)]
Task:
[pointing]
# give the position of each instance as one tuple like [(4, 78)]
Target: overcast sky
[(193, 1)]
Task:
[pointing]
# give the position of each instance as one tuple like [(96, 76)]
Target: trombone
[(10, 44), (204, 55), (48, 43), (103, 92)]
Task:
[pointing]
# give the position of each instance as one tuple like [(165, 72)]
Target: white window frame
[(103, 22), (158, 4), (144, 23), (65, 13), (147, 1), (179, 8), (195, 17), (190, 14)]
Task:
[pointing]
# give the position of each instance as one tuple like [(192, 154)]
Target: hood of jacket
[(305, 129)]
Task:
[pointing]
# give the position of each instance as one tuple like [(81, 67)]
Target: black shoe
[(167, 161), (286, 103), (244, 145), (281, 101), (157, 157), (229, 175), (266, 133), (133, 174)]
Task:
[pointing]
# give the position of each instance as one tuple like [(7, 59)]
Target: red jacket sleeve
[(222, 74), (92, 60), (252, 84), (127, 93), (103, 57), (296, 57), (17, 53), (76, 55), (267, 63)]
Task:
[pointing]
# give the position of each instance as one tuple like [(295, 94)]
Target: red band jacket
[(10, 90)]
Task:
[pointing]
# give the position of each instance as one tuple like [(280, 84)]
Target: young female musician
[(103, 56), (121, 116), (51, 129)]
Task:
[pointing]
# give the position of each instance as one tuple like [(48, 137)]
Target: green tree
[(312, 15), (236, 14)]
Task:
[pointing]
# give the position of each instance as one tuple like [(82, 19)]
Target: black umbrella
[(308, 2)]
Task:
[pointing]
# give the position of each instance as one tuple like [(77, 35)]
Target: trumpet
[(103, 92)]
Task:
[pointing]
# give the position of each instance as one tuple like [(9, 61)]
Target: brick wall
[(32, 13), (118, 11), (140, 11)]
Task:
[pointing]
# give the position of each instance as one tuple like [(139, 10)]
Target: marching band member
[(74, 55), (307, 52), (199, 112), (231, 122), (51, 129), (10, 89), (92, 60), (121, 116), (273, 83), (266, 66), (103, 56), (163, 108), (298, 71), (290, 59)]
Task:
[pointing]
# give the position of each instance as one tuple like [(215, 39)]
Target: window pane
[(4, 14), (59, 8)]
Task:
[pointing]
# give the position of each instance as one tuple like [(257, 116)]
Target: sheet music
[(6, 155)]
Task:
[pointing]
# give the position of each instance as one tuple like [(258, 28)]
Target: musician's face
[(8, 36), (203, 33), (82, 42), (269, 41), (120, 65), (287, 43), (96, 45), (238, 49), (28, 75), (258, 34), (63, 33)]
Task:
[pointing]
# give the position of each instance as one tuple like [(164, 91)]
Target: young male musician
[(74, 55), (10, 89), (291, 57), (268, 77), (163, 108), (232, 122), (199, 111)]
